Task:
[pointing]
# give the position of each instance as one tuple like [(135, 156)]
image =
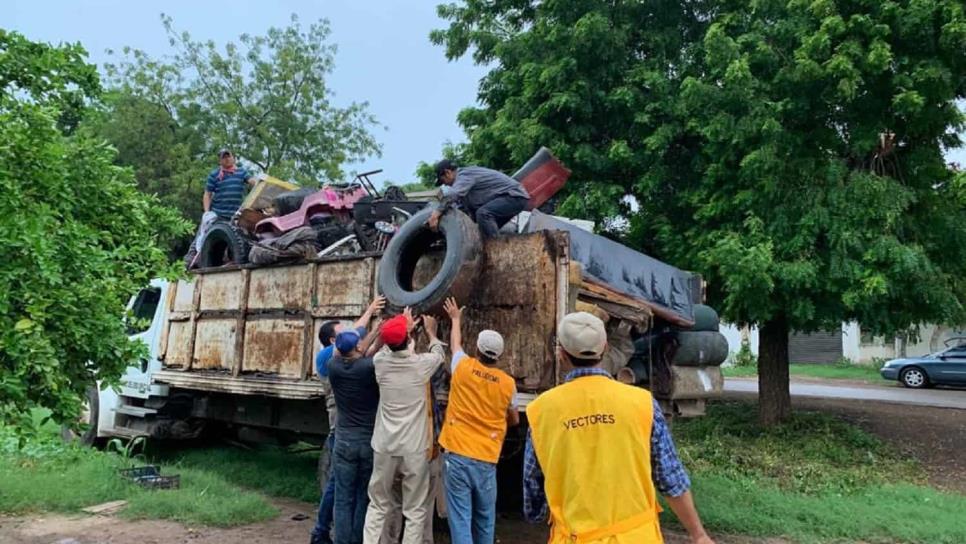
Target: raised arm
[(455, 313), (375, 306), (206, 201)]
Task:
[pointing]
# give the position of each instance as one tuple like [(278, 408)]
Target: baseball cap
[(394, 331), (346, 341), (224, 151), (582, 335), (443, 166), (490, 343)]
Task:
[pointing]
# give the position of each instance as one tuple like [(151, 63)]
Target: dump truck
[(234, 346)]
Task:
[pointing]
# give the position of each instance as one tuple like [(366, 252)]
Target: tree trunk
[(774, 398)]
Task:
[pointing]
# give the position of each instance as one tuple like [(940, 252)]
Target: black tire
[(456, 275), (222, 245), (700, 348), (914, 377), (290, 201), (705, 318), (88, 437)]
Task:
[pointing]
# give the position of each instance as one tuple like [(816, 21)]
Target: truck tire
[(290, 201), (222, 245), (456, 274), (705, 318), (700, 348)]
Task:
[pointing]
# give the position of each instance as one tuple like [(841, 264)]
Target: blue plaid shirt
[(668, 473)]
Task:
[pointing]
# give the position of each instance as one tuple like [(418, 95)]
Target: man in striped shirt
[(225, 187)]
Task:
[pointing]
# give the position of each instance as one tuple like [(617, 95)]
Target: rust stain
[(222, 291), (274, 346), (279, 288), (214, 344)]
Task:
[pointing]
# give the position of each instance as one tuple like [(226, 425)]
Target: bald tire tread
[(700, 348)]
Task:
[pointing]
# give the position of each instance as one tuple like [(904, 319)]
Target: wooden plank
[(168, 308), (105, 509), (239, 362), (307, 343), (195, 307), (594, 289)]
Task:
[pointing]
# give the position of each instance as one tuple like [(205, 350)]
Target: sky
[(384, 56)]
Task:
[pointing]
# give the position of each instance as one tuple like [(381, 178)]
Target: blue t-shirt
[(227, 192), (323, 356)]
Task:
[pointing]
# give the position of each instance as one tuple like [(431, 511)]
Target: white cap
[(582, 335), (490, 343)]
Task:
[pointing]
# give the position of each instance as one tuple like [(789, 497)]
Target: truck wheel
[(700, 348), (88, 417), (456, 275), (222, 245)]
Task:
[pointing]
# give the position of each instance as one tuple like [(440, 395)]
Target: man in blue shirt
[(327, 334), (490, 197), (225, 187)]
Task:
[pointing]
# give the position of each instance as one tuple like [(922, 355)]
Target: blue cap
[(346, 341)]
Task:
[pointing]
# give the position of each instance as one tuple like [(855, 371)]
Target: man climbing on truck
[(490, 197)]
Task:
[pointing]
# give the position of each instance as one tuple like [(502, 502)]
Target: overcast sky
[(384, 56)]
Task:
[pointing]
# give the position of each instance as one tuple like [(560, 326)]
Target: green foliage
[(55, 76), (813, 479), (46, 474), (790, 152), (265, 97), (745, 358), (79, 239), (859, 372)]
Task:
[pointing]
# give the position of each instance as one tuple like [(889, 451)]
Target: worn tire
[(290, 201), (700, 348), (219, 238), (456, 275), (705, 318)]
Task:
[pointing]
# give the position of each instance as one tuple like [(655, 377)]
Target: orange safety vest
[(475, 423), (592, 437)]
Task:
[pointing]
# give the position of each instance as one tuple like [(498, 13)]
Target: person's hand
[(410, 322), (433, 220), (431, 325), (377, 304), (453, 309), (703, 539)]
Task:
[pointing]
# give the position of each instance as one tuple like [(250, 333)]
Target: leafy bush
[(745, 357)]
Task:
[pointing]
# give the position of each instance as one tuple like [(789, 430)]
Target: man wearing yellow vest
[(599, 451), (481, 405)]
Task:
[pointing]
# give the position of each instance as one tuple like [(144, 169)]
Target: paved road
[(941, 398)]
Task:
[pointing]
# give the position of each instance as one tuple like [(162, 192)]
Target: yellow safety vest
[(592, 437), (476, 412)]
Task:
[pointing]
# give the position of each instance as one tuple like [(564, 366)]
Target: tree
[(79, 238), (791, 152), (266, 98)]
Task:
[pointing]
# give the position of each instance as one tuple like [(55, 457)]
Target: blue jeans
[(321, 534), (352, 468), (497, 212), (470, 499)]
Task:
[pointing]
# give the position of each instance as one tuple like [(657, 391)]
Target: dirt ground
[(935, 436)]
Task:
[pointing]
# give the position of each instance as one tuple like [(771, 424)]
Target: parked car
[(946, 367)]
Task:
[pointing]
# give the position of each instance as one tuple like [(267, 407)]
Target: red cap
[(395, 331)]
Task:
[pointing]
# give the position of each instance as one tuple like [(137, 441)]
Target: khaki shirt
[(404, 417)]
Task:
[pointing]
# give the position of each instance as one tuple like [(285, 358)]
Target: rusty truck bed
[(252, 330)]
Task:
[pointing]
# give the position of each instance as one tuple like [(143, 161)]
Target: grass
[(46, 475), (836, 371), (813, 479)]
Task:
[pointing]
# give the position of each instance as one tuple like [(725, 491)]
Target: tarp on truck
[(633, 273)]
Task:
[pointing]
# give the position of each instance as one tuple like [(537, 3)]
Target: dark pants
[(352, 468), (321, 534), (495, 213)]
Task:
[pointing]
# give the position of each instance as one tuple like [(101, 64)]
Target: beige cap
[(582, 335), (490, 343)]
